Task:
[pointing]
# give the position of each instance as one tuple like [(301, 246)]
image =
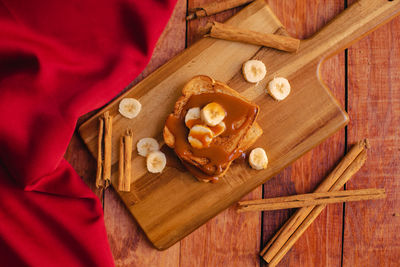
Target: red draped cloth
[(59, 60)]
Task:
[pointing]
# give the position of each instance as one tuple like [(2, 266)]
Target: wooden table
[(366, 81)]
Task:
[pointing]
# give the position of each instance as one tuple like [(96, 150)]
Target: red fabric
[(58, 60)]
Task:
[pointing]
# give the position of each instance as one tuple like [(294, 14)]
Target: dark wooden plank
[(129, 245), (321, 243), (230, 238), (371, 230)]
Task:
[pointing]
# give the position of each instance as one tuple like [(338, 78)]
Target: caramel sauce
[(191, 123), (217, 129), (204, 138), (239, 115)]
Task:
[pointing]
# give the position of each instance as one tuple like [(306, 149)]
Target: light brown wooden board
[(174, 204)]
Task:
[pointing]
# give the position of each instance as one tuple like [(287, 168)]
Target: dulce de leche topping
[(239, 117), (200, 136)]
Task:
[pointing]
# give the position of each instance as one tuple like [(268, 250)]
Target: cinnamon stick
[(125, 165), (212, 8), (230, 33), (125, 162), (99, 174), (317, 210), (107, 148), (103, 175), (121, 168), (304, 200), (277, 247), (128, 159)]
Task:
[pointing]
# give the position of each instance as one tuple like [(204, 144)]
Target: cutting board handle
[(352, 24)]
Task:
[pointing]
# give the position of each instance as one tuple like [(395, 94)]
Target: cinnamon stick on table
[(230, 33), (304, 200), (212, 8), (285, 238), (103, 176)]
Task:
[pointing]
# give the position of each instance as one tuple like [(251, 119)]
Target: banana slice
[(279, 88), (212, 114), (218, 129), (156, 162), (254, 71), (192, 116), (129, 107), (258, 159), (147, 145), (200, 136)]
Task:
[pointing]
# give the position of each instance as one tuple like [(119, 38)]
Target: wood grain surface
[(324, 237), (174, 204), (229, 238), (129, 245), (370, 228)]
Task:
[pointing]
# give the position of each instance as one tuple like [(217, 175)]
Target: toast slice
[(204, 85)]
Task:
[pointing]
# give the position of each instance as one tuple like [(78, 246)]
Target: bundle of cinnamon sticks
[(104, 151), (291, 231)]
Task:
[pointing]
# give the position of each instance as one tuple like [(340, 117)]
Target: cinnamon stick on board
[(304, 200), (107, 148), (125, 162), (212, 8), (230, 33), (285, 238), (99, 174), (103, 175), (121, 169), (128, 159)]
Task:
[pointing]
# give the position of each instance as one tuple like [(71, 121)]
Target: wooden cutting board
[(173, 204)]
